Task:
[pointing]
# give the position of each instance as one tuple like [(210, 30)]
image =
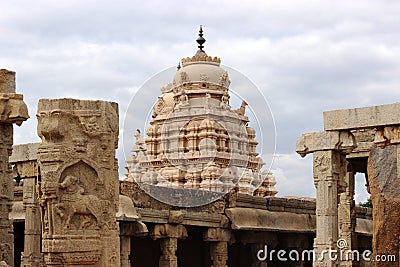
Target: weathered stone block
[(356, 118), (384, 184), (79, 191)]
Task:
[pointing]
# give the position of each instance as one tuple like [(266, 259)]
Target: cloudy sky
[(306, 57)]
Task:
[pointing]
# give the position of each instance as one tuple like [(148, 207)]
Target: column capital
[(218, 235), (168, 231), (13, 108), (327, 140)]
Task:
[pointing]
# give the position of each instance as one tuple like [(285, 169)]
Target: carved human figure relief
[(75, 204), (321, 162)]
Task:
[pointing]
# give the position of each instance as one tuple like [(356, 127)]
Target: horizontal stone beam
[(327, 140), (366, 117), (24, 152)]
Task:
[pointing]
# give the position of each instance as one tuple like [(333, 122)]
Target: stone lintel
[(246, 219), (24, 152), (202, 219), (366, 117), (326, 140)]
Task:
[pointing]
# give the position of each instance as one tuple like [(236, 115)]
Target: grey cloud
[(305, 57)]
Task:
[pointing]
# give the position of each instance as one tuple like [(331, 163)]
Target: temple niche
[(195, 139)]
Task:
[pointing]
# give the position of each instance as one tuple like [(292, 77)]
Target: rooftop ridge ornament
[(200, 55), (201, 39)]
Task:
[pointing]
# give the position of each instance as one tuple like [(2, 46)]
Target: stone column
[(125, 250), (168, 247), (219, 253), (129, 226), (26, 168), (31, 256), (79, 182), (329, 149), (168, 235), (347, 219), (12, 110), (219, 238)]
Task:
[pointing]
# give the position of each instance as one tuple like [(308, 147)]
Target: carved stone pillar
[(330, 167), (129, 225), (79, 182), (326, 178), (168, 247), (219, 253), (12, 110), (31, 256), (26, 168), (125, 250), (168, 235), (219, 238), (347, 218)]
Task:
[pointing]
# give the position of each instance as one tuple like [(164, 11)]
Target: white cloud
[(305, 56), (293, 175)]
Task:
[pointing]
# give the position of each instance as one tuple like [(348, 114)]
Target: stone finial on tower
[(201, 40)]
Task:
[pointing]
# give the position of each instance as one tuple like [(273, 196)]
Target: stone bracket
[(13, 108), (218, 235), (326, 140), (388, 135), (168, 231)]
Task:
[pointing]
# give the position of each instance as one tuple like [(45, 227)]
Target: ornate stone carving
[(168, 252), (12, 110), (76, 204), (168, 235), (330, 166), (219, 253), (318, 141), (79, 186), (224, 80), (195, 139), (242, 110)]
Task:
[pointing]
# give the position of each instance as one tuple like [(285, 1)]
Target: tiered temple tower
[(195, 139)]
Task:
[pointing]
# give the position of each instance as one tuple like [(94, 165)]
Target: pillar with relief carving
[(329, 149), (168, 234), (219, 239), (12, 110)]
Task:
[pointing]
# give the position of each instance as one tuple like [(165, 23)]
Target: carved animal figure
[(75, 203), (242, 110)]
